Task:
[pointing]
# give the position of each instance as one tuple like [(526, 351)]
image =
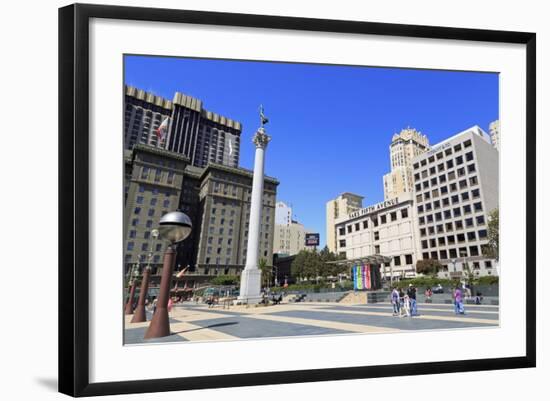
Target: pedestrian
[(428, 294), (411, 292), (401, 300), (406, 306), (154, 305), (170, 304), (459, 306), (395, 301)]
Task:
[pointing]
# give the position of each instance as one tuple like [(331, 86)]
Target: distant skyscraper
[(337, 208), (406, 145), (182, 126), (494, 132)]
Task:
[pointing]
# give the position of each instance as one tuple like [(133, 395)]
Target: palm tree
[(265, 269)]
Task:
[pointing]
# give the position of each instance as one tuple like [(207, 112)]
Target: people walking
[(459, 305), (411, 292), (428, 294), (406, 306), (395, 301)]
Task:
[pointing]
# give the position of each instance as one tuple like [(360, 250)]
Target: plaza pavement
[(197, 322)]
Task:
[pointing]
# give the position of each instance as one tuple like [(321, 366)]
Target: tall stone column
[(251, 275)]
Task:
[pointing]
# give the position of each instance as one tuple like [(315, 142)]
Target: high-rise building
[(387, 228), (404, 146), (290, 235), (494, 132), (338, 208), (216, 198), (456, 185), (200, 135)]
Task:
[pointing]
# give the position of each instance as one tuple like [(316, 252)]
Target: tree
[(266, 272), (491, 249), (225, 280), (429, 267), (297, 265)]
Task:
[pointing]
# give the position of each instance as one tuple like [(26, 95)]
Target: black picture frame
[(74, 198)]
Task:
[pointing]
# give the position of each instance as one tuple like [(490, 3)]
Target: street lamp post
[(173, 227), (128, 310), (139, 313)]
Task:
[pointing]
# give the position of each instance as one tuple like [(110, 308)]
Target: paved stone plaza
[(197, 322)]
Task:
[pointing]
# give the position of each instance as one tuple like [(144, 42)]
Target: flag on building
[(162, 129)]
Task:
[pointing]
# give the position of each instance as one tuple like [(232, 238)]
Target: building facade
[(456, 186), (494, 132), (387, 228), (404, 146), (201, 135), (338, 208), (290, 235), (216, 198)]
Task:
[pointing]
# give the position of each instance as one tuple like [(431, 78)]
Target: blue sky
[(331, 126)]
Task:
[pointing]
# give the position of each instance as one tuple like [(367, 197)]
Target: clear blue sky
[(331, 126)]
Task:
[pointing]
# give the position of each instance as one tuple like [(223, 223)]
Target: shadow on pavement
[(207, 327)]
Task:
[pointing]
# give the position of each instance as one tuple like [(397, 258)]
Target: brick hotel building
[(456, 185)]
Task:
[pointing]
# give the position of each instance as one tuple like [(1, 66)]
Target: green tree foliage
[(428, 267), (491, 249), (310, 264), (266, 272), (226, 280)]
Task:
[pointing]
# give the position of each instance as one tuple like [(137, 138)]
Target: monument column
[(251, 275)]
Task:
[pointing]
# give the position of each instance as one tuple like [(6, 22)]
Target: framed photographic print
[(252, 199)]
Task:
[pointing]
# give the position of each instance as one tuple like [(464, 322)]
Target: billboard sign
[(312, 239)]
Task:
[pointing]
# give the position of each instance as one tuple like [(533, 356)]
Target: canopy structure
[(371, 260)]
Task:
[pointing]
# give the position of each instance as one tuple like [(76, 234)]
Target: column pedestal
[(250, 287)]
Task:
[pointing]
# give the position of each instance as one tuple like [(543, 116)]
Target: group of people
[(404, 303)]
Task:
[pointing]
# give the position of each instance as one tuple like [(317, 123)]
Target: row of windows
[(441, 154), (453, 253), (456, 212), (128, 258), (452, 226), (453, 239), (444, 191), (459, 160), (443, 178), (384, 218)]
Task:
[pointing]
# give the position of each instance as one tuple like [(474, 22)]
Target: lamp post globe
[(174, 227)]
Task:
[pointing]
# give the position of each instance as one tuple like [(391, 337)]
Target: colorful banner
[(369, 278), (354, 275), (360, 281)]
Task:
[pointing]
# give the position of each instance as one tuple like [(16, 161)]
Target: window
[(442, 178), (149, 223), (463, 184), (480, 220), (141, 188), (166, 203), (153, 201), (465, 196), (475, 193), (139, 200), (469, 156), (449, 226), (452, 253), (342, 243), (357, 227), (435, 193), (473, 180), (432, 170), (135, 222), (482, 234), (488, 264), (471, 168), (467, 143), (151, 212), (422, 232), (144, 246), (443, 254), (451, 175), (365, 223), (408, 259), (421, 220), (429, 218), (397, 260), (478, 207), (474, 250), (431, 230), (445, 201), (469, 222), (419, 198), (439, 156), (433, 181), (454, 199), (458, 147), (471, 236), (426, 255), (426, 184), (459, 160), (460, 237), (458, 225), (440, 228), (448, 152), (342, 231), (467, 209), (146, 234), (130, 246), (376, 235), (137, 210), (349, 228), (426, 195), (383, 219), (450, 164), (428, 206), (447, 214), (461, 172), (441, 241), (441, 167), (450, 239), (438, 216), (437, 204), (415, 166), (132, 233), (424, 244)]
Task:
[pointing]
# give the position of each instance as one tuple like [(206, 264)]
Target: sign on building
[(312, 239)]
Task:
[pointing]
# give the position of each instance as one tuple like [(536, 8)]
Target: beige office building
[(494, 132), (404, 146), (337, 209), (388, 228)]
